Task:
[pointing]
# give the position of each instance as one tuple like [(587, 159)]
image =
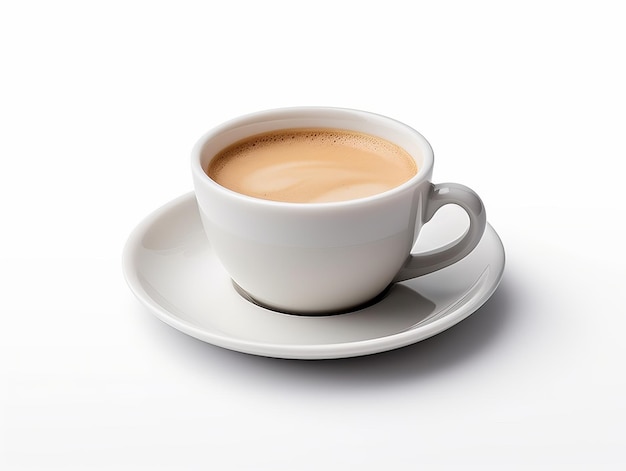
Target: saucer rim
[(293, 350)]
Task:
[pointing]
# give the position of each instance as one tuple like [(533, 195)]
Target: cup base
[(248, 297)]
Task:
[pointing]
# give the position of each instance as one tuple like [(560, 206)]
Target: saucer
[(172, 269)]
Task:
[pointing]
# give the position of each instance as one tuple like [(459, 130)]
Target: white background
[(100, 104)]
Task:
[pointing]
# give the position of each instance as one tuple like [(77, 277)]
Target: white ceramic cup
[(320, 258)]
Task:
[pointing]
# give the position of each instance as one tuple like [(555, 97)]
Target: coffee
[(312, 165)]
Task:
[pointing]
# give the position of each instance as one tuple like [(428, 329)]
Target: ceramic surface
[(323, 257), (172, 269)]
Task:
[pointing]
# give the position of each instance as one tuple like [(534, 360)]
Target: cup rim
[(424, 170)]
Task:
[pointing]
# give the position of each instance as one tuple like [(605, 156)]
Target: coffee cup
[(293, 242)]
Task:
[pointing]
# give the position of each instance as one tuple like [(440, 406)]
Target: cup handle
[(440, 195)]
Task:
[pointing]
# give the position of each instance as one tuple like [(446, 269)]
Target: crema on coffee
[(312, 165)]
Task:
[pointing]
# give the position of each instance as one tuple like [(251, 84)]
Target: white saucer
[(170, 266)]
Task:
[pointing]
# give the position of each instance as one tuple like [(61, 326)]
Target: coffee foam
[(312, 165)]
